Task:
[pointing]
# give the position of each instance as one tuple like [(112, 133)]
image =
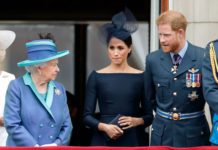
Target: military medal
[(195, 78), (193, 81), (193, 96), (174, 69), (188, 80), (198, 78)]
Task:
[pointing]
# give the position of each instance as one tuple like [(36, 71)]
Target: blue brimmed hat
[(40, 51)]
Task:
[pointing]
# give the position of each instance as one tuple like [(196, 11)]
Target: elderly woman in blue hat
[(119, 90), (36, 111)]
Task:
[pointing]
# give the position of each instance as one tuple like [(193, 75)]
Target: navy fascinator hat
[(122, 26)]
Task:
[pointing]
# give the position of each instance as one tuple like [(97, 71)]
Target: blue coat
[(210, 88), (29, 121), (169, 93)]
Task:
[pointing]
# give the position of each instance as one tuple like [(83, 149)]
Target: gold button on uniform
[(174, 93), (174, 79)]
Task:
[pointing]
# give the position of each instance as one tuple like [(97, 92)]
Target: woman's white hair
[(33, 69)]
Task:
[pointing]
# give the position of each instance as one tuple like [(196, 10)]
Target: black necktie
[(177, 59)]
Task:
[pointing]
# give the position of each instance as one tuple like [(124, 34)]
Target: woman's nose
[(57, 69), (116, 52)]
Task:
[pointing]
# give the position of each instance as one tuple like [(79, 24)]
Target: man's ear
[(181, 33)]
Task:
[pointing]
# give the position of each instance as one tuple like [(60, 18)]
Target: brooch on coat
[(57, 91)]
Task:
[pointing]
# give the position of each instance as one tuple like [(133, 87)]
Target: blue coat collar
[(51, 88)]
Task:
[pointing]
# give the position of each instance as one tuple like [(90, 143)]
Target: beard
[(174, 47)]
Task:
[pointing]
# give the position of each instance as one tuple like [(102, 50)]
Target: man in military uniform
[(210, 85), (173, 84)]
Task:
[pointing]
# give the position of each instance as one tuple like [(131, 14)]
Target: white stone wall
[(202, 16)]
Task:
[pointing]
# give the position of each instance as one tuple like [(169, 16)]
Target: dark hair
[(127, 41), (122, 25), (47, 36)]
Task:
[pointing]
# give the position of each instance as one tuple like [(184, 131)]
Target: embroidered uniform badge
[(193, 96)]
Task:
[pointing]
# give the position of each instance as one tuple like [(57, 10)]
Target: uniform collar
[(182, 51)]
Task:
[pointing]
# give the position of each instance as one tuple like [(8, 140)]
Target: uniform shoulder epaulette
[(214, 42), (213, 51)]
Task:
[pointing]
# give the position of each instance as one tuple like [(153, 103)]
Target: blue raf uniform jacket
[(210, 88), (29, 121), (169, 93)]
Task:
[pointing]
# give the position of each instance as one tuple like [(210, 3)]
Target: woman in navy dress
[(119, 90)]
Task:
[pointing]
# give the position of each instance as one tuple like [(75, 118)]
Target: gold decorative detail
[(213, 62), (176, 116)]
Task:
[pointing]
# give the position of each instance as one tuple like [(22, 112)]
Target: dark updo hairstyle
[(128, 42), (49, 36), (122, 26)]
